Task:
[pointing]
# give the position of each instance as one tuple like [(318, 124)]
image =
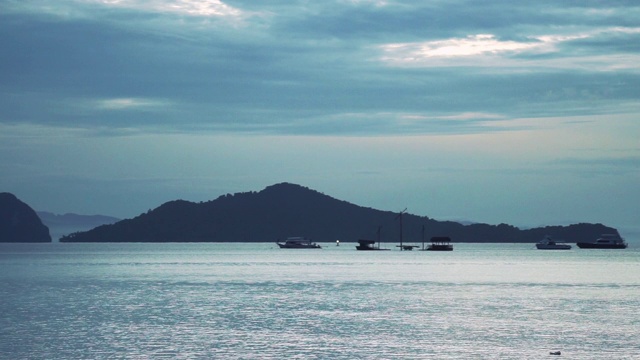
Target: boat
[(298, 242), (549, 244), (605, 241), (440, 243), (364, 244), (402, 246)]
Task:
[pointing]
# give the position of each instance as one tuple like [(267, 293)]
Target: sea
[(256, 301)]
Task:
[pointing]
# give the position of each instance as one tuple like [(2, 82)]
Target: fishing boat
[(605, 241), (547, 243), (298, 242), (364, 244)]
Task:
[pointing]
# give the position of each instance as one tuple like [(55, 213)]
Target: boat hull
[(285, 246), (368, 248), (440, 248), (601, 246), (553, 247)]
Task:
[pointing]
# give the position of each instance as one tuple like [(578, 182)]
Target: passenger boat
[(298, 242), (440, 243), (549, 244), (605, 241)]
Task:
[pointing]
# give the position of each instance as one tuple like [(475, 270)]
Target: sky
[(518, 112)]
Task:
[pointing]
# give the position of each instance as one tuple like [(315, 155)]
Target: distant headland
[(63, 224), (286, 209)]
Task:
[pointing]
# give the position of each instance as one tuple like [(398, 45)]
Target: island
[(286, 209)]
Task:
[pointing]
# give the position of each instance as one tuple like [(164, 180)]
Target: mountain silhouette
[(60, 225), (285, 209), (19, 222)]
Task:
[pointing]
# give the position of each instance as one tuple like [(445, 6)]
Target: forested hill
[(19, 222), (284, 210)]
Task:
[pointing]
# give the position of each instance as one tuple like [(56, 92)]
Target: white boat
[(606, 241), (298, 242), (549, 244)]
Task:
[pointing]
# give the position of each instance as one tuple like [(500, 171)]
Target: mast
[(400, 216)]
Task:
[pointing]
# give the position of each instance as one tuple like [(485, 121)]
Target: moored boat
[(440, 243), (298, 242), (605, 241), (549, 244), (364, 244)]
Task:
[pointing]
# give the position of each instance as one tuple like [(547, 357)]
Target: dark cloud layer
[(287, 67)]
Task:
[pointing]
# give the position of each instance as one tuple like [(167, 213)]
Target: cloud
[(186, 7), (74, 8), (396, 123), (345, 67), (128, 104), (452, 48), (603, 165), (560, 51)]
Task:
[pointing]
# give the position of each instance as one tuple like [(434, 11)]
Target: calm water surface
[(255, 301)]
